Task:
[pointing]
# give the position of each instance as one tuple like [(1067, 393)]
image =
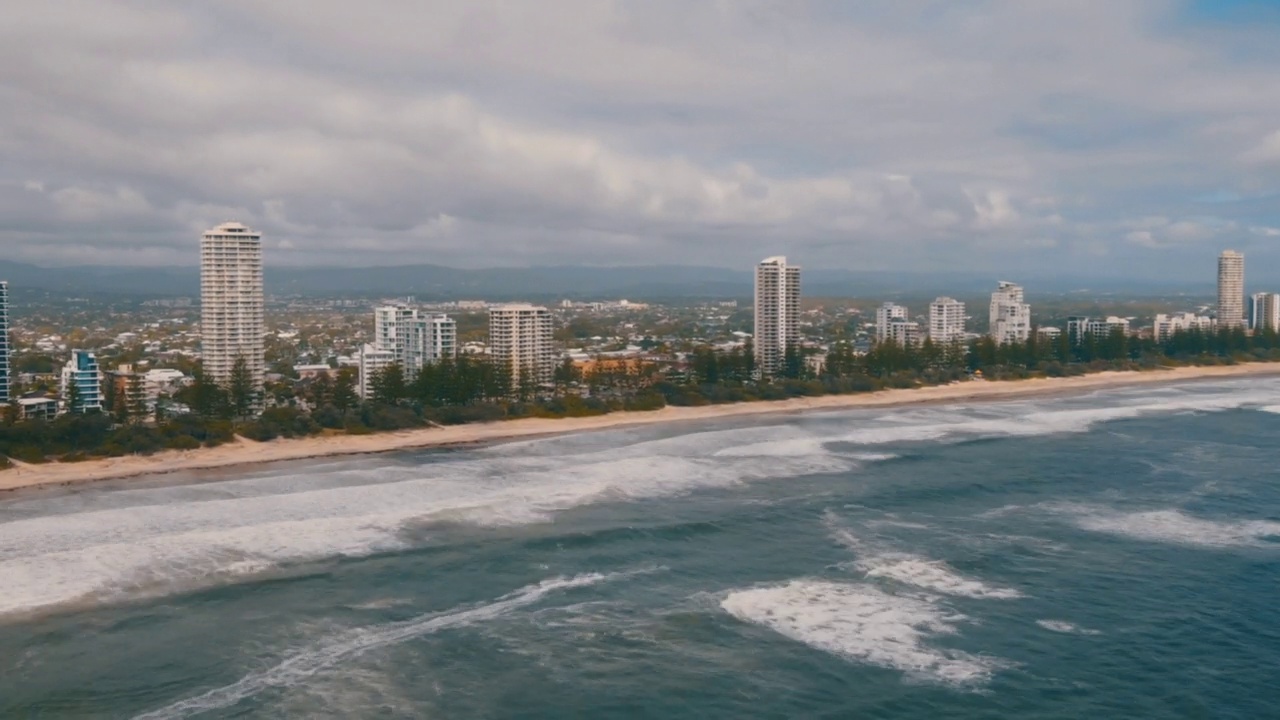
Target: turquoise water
[(1109, 555)]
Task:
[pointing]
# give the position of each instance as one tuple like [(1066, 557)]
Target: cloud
[(883, 135)]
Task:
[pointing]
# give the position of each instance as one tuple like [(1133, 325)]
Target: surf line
[(302, 665)]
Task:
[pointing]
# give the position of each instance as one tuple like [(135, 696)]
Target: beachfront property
[(82, 378), (372, 360), (904, 332), (946, 320), (886, 315), (231, 314), (1010, 314), (1081, 328), (777, 312), (1264, 312), (520, 339), (1230, 289), (415, 338), (1165, 326), (4, 342)]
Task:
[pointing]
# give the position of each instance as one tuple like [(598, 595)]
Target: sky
[(1085, 136)]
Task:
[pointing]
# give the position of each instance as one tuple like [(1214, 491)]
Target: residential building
[(1010, 314), (1081, 328), (129, 390), (1264, 312), (946, 320), (82, 373), (416, 338), (38, 408), (231, 315), (1048, 334), (5, 367), (372, 361), (520, 339), (887, 314), (1165, 326), (777, 313), (904, 332), (1231, 289)]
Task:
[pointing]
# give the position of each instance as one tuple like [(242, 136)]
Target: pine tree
[(241, 393)]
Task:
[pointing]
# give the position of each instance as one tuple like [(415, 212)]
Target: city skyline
[(994, 137)]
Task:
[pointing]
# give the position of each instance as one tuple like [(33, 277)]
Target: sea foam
[(1174, 527), (302, 665), (864, 624)]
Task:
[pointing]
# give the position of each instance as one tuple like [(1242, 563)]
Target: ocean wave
[(296, 668), (864, 624), (1062, 626), (934, 575), (914, 570), (1173, 526), (119, 553)]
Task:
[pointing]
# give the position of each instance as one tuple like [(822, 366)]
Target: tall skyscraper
[(231, 322), (520, 340), (1010, 315), (4, 343), (886, 315), (1264, 312), (1230, 289), (415, 338), (777, 313), (946, 320), (82, 371)]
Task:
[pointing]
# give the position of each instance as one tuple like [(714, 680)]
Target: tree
[(242, 393), (72, 397), (388, 386), (345, 396)]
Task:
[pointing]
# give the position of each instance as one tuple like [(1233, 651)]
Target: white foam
[(302, 665), (1273, 409), (934, 575), (908, 569), (865, 624), (1062, 626), (1174, 527), (113, 553)]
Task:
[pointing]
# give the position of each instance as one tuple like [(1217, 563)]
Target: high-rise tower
[(1230, 289), (4, 342), (231, 321), (1010, 315), (520, 340), (777, 312), (946, 320)]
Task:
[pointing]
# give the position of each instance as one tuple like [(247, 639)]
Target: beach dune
[(245, 452)]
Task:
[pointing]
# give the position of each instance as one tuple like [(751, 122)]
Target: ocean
[(1109, 555)]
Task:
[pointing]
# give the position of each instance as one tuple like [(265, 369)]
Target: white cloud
[(475, 133)]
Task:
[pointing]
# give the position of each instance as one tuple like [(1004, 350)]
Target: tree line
[(468, 389)]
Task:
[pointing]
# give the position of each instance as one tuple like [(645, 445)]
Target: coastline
[(247, 452)]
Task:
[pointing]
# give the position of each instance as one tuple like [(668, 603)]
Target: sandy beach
[(245, 452)]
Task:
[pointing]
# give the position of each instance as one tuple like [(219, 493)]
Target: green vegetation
[(465, 390)]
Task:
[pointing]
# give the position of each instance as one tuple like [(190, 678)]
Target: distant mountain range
[(429, 282)]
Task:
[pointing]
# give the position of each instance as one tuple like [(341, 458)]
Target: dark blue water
[(1115, 555)]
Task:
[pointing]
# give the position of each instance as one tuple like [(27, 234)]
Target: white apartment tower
[(946, 320), (886, 315), (4, 343), (231, 323), (416, 339), (777, 313), (1230, 289), (520, 340), (1010, 314), (82, 372), (1265, 312)]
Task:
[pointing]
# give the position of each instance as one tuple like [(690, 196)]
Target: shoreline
[(246, 452)]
